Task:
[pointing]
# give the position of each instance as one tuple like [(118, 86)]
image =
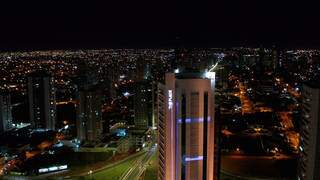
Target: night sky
[(139, 23)]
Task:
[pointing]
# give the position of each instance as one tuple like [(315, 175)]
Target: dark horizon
[(70, 25), (175, 42)]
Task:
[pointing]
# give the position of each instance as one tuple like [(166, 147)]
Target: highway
[(134, 172)]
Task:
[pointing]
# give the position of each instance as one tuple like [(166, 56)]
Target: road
[(289, 88), (66, 102), (247, 105), (292, 137), (286, 120), (38, 177), (134, 173)]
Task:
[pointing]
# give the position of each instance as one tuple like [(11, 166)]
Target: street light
[(90, 173)]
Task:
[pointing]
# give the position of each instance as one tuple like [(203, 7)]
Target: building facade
[(309, 149), (42, 103), (143, 104), (5, 112), (89, 118), (186, 126)]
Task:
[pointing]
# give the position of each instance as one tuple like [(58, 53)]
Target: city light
[(53, 168), (210, 75), (173, 112), (126, 94)]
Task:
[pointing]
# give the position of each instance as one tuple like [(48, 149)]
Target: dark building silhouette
[(143, 104), (42, 103), (5, 112), (309, 149), (89, 121)]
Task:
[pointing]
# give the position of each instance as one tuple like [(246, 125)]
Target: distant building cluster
[(206, 111)]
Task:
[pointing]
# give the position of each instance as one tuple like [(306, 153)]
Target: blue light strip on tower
[(194, 120), (197, 158)]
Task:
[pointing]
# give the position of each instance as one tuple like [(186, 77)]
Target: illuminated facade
[(186, 127), (42, 104), (309, 149)]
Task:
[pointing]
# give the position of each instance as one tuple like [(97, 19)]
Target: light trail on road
[(134, 173)]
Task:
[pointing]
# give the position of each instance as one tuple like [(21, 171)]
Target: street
[(247, 105), (292, 137), (134, 172)]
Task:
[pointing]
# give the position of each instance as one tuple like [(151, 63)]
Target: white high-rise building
[(186, 126)]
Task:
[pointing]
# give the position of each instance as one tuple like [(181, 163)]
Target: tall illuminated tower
[(186, 126)]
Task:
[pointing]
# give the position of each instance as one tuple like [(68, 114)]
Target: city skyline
[(206, 113), (159, 90)]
